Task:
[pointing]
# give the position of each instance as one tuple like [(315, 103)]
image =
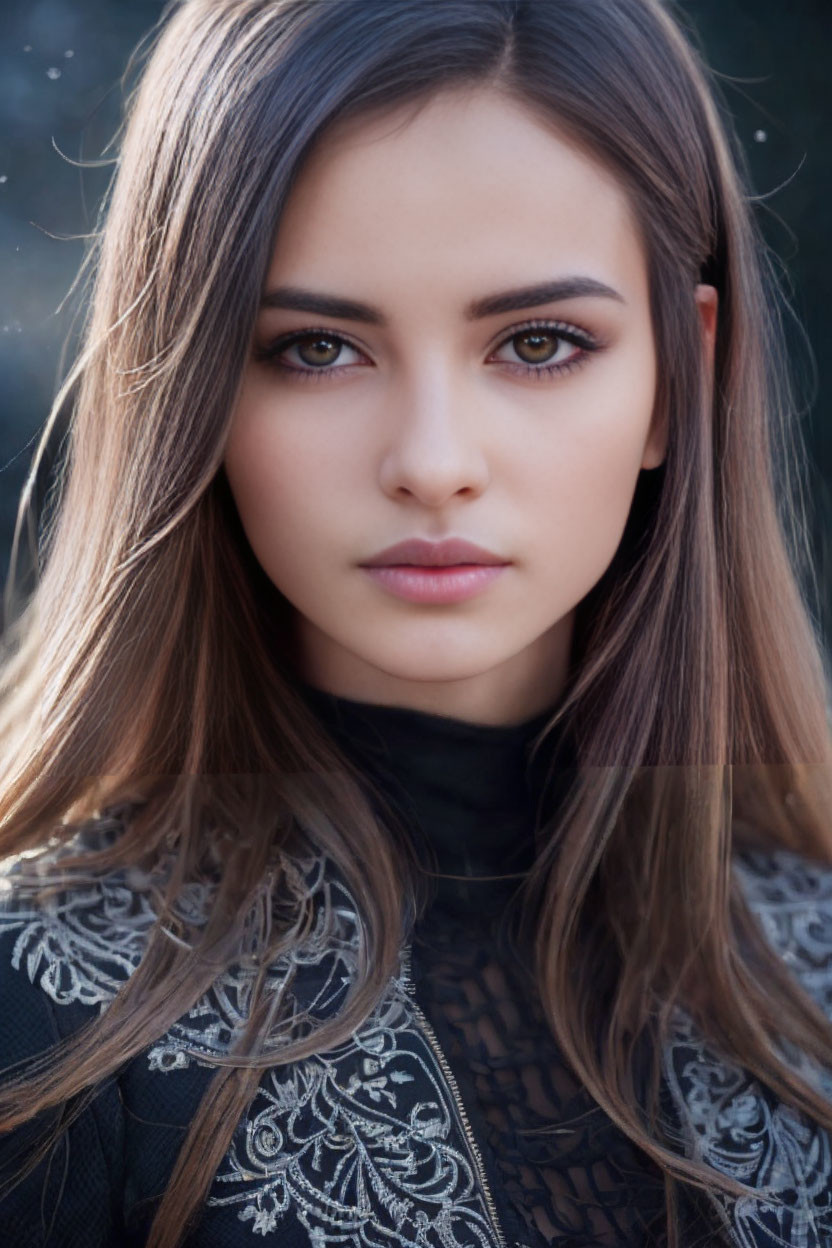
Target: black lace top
[(468, 794), (361, 1144)]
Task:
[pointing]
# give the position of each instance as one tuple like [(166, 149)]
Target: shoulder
[(733, 1123), (75, 942), (791, 897), (777, 879)]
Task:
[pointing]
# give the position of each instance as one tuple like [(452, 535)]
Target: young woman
[(479, 890)]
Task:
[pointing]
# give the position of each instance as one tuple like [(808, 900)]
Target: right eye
[(315, 353)]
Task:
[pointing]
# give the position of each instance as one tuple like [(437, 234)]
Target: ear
[(707, 302)]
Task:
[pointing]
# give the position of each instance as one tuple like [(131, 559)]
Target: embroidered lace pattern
[(736, 1125), (357, 1140), (351, 1142)]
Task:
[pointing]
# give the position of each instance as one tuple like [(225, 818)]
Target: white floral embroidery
[(363, 1143), (792, 898), (79, 945), (358, 1140), (319, 970), (741, 1130), (735, 1125), (81, 948)]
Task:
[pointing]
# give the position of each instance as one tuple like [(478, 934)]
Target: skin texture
[(427, 426)]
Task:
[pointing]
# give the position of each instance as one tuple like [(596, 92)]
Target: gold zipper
[(449, 1076)]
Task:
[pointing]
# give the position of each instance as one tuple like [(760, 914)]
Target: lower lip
[(452, 584)]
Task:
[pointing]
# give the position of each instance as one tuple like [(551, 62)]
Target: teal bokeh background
[(60, 100)]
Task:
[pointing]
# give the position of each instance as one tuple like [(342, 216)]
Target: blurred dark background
[(61, 63)]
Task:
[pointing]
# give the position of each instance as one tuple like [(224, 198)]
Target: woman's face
[(443, 405)]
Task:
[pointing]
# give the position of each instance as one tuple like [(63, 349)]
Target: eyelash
[(568, 333)]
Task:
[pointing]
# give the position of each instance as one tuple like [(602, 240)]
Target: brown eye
[(542, 351), (308, 355), (535, 346), (317, 350)]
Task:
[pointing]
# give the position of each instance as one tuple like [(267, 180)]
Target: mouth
[(433, 584), (437, 567), (416, 552)]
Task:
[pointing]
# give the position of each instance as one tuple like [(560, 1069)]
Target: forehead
[(464, 190)]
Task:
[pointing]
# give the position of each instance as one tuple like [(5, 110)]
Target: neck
[(466, 793)]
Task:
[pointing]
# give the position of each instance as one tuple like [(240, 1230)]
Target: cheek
[(288, 484), (256, 467), (581, 478)]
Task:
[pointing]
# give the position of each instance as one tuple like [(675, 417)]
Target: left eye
[(541, 346), (316, 351)]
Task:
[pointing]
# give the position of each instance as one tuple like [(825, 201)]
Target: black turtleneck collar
[(467, 792)]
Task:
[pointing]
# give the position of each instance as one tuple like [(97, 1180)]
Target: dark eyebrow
[(296, 299), (299, 300), (543, 292)]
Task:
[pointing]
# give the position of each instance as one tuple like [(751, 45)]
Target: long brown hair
[(151, 667)]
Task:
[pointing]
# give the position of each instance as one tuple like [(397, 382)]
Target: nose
[(436, 445)]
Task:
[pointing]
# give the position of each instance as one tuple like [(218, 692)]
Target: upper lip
[(454, 550)]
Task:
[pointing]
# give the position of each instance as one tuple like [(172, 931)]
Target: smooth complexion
[(426, 415)]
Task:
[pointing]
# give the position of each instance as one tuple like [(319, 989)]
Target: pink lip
[(436, 584), (452, 552)]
